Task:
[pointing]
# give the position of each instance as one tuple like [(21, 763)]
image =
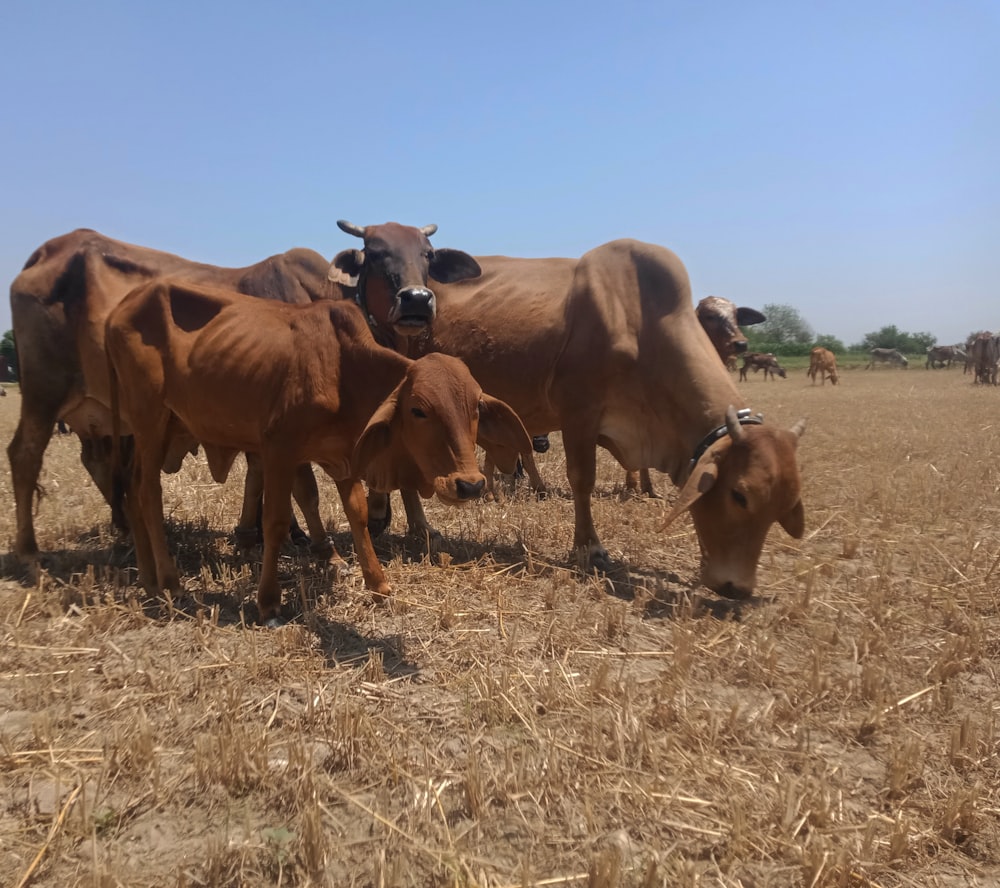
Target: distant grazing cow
[(822, 362), (757, 361), (939, 356), (886, 356), (608, 350), (294, 384), (985, 354), (6, 371)]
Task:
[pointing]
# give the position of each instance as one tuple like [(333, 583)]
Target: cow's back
[(61, 300), (508, 326)]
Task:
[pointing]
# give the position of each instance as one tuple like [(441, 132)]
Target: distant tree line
[(786, 332)]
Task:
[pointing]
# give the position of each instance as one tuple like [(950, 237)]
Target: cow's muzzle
[(413, 310), (731, 590), (740, 346)]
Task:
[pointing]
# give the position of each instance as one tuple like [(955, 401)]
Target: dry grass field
[(509, 722)]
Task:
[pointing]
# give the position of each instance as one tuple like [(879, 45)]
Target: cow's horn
[(351, 228), (733, 426), (798, 428), (428, 230)]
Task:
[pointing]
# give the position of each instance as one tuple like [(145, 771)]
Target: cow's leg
[(534, 476), (352, 494), (640, 482), (416, 519), (306, 494), (145, 561), (581, 469), (25, 452), (251, 515), (379, 510), (148, 489), (278, 479)]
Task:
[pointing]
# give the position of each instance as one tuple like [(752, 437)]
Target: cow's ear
[(346, 267), (794, 521), (372, 458), (701, 481), (747, 317), (450, 266), (499, 425)]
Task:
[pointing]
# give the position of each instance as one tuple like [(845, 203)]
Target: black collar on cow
[(744, 418)]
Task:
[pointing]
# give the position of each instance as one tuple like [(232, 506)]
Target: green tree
[(892, 337), (831, 342), (784, 324)]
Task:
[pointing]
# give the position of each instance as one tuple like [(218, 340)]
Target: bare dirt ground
[(508, 722)]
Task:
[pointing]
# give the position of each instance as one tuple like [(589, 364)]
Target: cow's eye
[(739, 499), (418, 413)]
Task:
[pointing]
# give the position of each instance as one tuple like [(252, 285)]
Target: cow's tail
[(119, 470)]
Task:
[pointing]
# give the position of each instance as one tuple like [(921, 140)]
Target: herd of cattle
[(386, 368)]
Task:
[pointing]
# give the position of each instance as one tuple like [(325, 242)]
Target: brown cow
[(59, 304), (294, 384), (71, 283), (823, 362), (616, 357), (757, 361)]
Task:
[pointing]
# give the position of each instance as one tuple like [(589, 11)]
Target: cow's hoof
[(379, 524), (299, 537), (274, 623), (426, 536), (246, 538), (341, 569), (322, 548)]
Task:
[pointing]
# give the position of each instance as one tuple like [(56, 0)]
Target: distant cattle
[(6, 370), (985, 354), (822, 362), (294, 384), (940, 356), (886, 356), (757, 361), (609, 350)]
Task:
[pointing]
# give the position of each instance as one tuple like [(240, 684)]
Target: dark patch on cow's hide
[(190, 310), (127, 266)]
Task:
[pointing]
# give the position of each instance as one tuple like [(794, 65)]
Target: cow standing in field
[(891, 357), (294, 384), (757, 361), (822, 362), (941, 356), (69, 286), (985, 354), (609, 350), (59, 304)]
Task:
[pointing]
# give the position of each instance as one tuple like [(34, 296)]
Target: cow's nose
[(466, 490), (416, 300), (740, 345)]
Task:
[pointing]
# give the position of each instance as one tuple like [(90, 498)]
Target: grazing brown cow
[(616, 357), (59, 304), (767, 362), (822, 362), (294, 384)]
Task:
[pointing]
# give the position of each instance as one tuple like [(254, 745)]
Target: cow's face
[(424, 435), (392, 273), (721, 320), (742, 485)]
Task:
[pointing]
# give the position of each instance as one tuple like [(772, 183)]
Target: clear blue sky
[(840, 157)]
